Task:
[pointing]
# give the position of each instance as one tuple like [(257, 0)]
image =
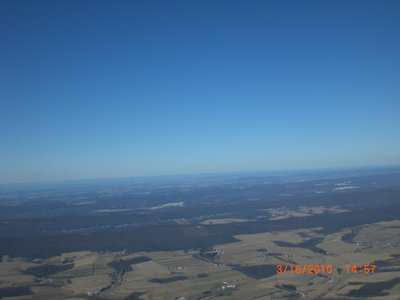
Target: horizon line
[(211, 173)]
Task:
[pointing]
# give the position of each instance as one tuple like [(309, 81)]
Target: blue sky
[(124, 88)]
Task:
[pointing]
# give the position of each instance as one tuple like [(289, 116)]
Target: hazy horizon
[(261, 172)]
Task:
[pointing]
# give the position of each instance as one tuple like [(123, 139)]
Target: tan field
[(284, 213), (174, 274), (222, 221)]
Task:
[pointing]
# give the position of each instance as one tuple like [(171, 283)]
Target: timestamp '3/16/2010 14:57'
[(324, 269)]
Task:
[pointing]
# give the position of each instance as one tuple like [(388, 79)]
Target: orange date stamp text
[(315, 269)]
